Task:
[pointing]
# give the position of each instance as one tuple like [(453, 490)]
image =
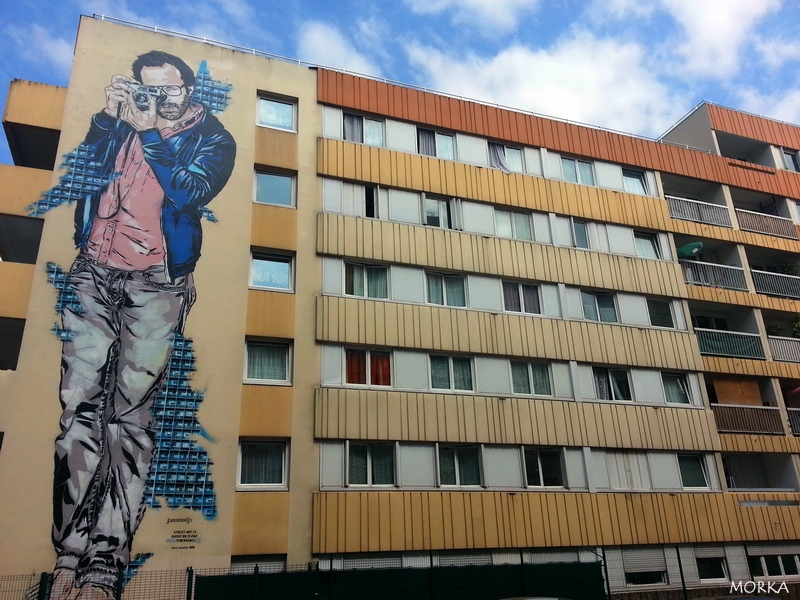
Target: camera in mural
[(142, 94)]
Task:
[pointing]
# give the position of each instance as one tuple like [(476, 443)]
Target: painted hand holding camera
[(160, 100)]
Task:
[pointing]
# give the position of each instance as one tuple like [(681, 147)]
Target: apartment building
[(427, 330)]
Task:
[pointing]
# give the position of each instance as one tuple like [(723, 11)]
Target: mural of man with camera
[(139, 240)]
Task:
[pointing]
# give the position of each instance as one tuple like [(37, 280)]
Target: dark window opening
[(19, 238), (370, 203), (10, 342)]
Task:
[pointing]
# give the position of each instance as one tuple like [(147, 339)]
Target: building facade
[(427, 331)]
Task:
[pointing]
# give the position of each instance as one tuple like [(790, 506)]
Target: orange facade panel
[(754, 127)]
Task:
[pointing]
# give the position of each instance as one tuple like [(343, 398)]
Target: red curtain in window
[(356, 366), (379, 368)]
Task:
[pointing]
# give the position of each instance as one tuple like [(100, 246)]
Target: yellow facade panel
[(21, 187), (15, 290), (260, 523), (266, 411), (270, 314), (747, 367), (36, 104), (759, 443), (273, 227), (275, 148)]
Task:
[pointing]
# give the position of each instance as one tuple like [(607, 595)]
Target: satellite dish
[(689, 250)]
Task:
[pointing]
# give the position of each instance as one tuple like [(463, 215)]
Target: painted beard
[(172, 111)]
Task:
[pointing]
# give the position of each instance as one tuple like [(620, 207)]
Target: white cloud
[(776, 52), (583, 78), (500, 15), (622, 9), (36, 44), (325, 45), (784, 106)]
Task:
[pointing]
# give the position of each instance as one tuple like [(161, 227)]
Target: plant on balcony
[(779, 328), (796, 327)]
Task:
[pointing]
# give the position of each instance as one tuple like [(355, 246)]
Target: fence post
[(680, 570), (522, 569), (255, 582), (119, 585), (189, 583), (605, 570), (44, 587)]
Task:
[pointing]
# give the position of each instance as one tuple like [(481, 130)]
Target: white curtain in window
[(426, 142), (462, 374), (445, 148), (456, 294), (266, 361), (569, 170), (435, 289), (497, 157), (522, 227), (586, 175), (440, 372), (601, 385), (620, 384), (262, 463), (502, 224), (353, 128), (373, 132), (676, 389), (354, 280), (514, 159), (519, 378), (377, 282), (541, 379)]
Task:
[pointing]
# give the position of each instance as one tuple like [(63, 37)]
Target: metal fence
[(729, 343), (784, 349), (776, 284), (714, 275), (769, 224), (699, 212)]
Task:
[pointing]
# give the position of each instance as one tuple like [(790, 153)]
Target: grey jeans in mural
[(110, 372)]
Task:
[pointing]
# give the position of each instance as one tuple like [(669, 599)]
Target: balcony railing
[(763, 223), (784, 349), (747, 419), (729, 343), (776, 284), (700, 212), (794, 420), (714, 275)]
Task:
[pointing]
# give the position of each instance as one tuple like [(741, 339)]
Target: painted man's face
[(171, 108)]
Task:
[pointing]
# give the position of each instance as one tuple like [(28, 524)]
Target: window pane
[(569, 170), (711, 567), (789, 564), (267, 361), (377, 282), (454, 289), (519, 378), (602, 387), (773, 565), (426, 142), (373, 132), (541, 379), (581, 234), (462, 373), (530, 296), (633, 182), (356, 366), (756, 568), (606, 309), (645, 578), (447, 465), (272, 272), (620, 386), (445, 148), (273, 113), (660, 313), (382, 464), (675, 388), (585, 173), (551, 467), (469, 472), (646, 245), (354, 280), (693, 474), (274, 189), (370, 202), (502, 223), (435, 289), (380, 370), (440, 372), (514, 159), (522, 226), (511, 299), (533, 475), (589, 306), (262, 463), (358, 464), (432, 212), (353, 128)]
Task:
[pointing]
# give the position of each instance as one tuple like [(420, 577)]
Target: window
[(790, 160), (646, 578), (446, 290), (580, 234), (438, 213), (262, 465), (506, 158), (634, 182), (599, 307), (513, 225), (521, 297), (433, 143), (362, 366), (646, 245), (774, 565), (577, 171), (363, 130), (611, 384), (531, 378), (459, 465), (660, 313), (274, 188), (627, 470), (676, 389), (280, 114), (644, 566), (366, 281), (543, 467), (706, 322), (711, 567), (451, 373), (271, 271), (268, 362), (370, 464), (693, 471)]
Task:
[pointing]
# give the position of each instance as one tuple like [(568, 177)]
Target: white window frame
[(789, 154), (671, 305), (594, 296), (528, 364), (458, 483), (611, 386), (766, 575), (585, 223), (274, 343), (578, 175), (514, 233), (370, 445), (364, 119), (436, 134), (452, 378), (641, 176), (703, 466), (685, 382), (538, 450), (445, 276), (656, 244), (447, 211), (368, 368), (519, 285), (726, 572), (263, 487), (367, 266), (275, 257), (278, 100), (292, 191)]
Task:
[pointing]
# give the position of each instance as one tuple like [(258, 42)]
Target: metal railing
[(794, 420), (700, 212), (763, 223), (747, 419), (729, 343), (776, 284), (714, 275), (784, 349)]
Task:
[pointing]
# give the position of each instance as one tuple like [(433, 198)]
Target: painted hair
[(157, 58)]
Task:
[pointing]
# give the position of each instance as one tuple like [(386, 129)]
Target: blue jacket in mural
[(192, 167)]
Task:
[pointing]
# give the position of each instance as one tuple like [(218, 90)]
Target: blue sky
[(630, 65)]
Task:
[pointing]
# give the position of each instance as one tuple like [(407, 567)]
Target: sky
[(635, 66)]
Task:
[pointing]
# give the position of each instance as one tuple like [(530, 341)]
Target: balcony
[(794, 420), (699, 212), (758, 471), (748, 419), (713, 275), (776, 284), (764, 223), (729, 343), (784, 349)]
